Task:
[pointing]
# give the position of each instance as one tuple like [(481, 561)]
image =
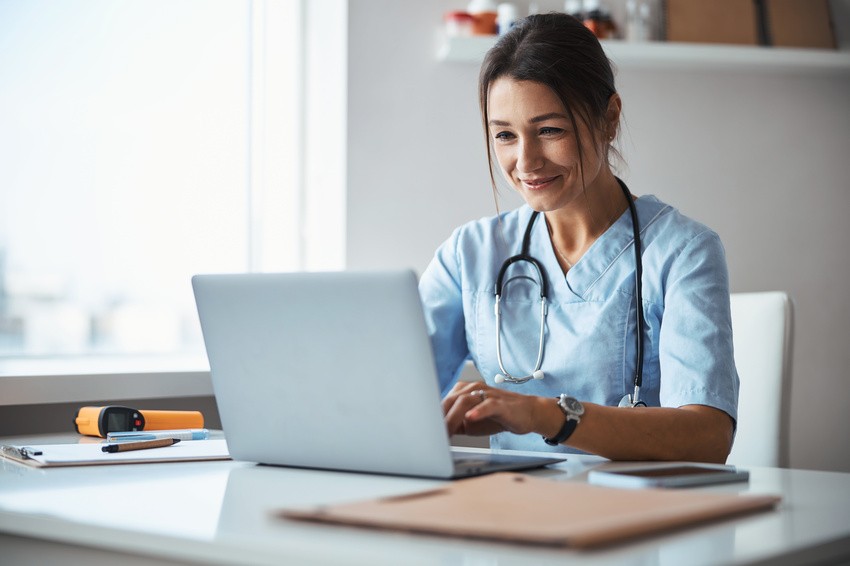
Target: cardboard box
[(714, 21), (799, 23), (780, 23)]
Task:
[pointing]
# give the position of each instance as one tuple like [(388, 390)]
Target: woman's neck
[(574, 228)]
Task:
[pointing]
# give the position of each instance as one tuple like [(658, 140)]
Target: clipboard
[(91, 454), (519, 508)]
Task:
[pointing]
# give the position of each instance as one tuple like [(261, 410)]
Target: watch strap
[(569, 426), (566, 431)]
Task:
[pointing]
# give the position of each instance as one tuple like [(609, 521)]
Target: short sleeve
[(695, 344), (442, 299)]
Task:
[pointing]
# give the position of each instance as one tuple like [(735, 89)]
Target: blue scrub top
[(589, 350)]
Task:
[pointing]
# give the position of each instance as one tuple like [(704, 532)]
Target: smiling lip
[(537, 184)]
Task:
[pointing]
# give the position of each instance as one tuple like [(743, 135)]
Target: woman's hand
[(692, 432), (476, 409)]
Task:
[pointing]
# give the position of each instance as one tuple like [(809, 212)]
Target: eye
[(503, 136), (550, 131)]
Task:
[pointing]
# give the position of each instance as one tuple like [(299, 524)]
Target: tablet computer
[(667, 475)]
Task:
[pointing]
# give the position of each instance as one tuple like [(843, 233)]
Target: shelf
[(682, 56)]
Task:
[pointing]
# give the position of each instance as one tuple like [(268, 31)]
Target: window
[(142, 142)]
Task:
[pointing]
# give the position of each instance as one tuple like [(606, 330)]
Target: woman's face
[(536, 146)]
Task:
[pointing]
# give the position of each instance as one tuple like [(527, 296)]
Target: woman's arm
[(693, 432), (696, 433), (442, 301)]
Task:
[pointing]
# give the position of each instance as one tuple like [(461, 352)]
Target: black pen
[(142, 445)]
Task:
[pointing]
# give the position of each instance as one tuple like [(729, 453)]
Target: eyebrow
[(535, 120)]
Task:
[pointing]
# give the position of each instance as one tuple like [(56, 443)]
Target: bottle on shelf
[(485, 13), (573, 8), (458, 24), (598, 20), (639, 24), (506, 17)]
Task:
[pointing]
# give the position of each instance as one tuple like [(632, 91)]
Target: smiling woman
[(633, 339)]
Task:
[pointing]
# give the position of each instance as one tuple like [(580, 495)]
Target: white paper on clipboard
[(91, 454)]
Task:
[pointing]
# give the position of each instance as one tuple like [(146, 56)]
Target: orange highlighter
[(100, 421)]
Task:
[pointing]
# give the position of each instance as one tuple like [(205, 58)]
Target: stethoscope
[(628, 400)]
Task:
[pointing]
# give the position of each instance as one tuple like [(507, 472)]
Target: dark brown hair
[(558, 51)]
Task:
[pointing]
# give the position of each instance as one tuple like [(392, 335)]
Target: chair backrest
[(762, 327)]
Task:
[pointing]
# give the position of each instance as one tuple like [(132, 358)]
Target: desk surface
[(222, 512)]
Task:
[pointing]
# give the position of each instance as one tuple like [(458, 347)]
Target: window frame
[(319, 175)]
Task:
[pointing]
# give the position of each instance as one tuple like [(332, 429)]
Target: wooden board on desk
[(515, 507)]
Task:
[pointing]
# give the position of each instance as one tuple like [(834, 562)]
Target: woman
[(562, 375)]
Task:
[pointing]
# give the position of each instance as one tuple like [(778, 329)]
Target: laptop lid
[(326, 370)]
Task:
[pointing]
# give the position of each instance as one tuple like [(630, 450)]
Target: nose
[(529, 156)]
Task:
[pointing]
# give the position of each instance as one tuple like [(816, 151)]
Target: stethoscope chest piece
[(628, 400)]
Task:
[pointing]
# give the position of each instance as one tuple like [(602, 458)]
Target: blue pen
[(182, 434)]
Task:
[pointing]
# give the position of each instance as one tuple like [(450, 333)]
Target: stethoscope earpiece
[(499, 378), (538, 374)]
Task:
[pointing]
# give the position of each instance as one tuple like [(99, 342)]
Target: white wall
[(763, 158)]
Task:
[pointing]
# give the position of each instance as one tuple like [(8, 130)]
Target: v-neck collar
[(599, 257)]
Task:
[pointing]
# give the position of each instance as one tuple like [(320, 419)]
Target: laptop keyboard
[(471, 462)]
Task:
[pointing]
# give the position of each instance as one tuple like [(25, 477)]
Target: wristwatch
[(573, 410)]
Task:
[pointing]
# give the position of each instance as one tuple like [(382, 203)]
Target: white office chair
[(762, 326)]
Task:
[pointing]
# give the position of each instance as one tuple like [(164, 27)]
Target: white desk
[(222, 512)]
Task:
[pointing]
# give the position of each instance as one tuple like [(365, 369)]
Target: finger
[(482, 428), (483, 418), (450, 397), (511, 413), (483, 409), (460, 388), (456, 413)]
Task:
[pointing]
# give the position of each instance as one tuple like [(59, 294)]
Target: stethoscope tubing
[(641, 322), (508, 377)]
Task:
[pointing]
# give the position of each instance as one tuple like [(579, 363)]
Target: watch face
[(573, 405)]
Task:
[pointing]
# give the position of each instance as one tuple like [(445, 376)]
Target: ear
[(612, 116)]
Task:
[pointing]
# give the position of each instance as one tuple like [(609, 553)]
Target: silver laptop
[(332, 371)]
